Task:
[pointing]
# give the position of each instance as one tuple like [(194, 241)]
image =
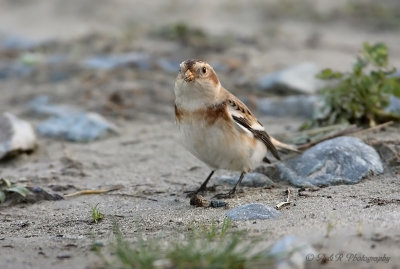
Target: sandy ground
[(147, 158)]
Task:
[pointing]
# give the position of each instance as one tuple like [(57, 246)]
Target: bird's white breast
[(221, 145)]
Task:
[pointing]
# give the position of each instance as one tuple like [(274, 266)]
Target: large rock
[(249, 180), (15, 70), (290, 106), (14, 42), (69, 123), (78, 127), (252, 212), (41, 105), (342, 160), (16, 135), (292, 253), (108, 62), (297, 79)]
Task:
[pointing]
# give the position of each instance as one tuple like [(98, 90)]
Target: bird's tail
[(282, 145)]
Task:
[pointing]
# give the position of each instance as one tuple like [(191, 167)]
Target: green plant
[(211, 246), (97, 216), (183, 33), (194, 37), (6, 187), (329, 228), (361, 96), (142, 256), (360, 229)]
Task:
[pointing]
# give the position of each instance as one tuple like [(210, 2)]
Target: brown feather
[(210, 114), (261, 135)]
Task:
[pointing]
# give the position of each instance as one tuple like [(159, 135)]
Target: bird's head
[(197, 83)]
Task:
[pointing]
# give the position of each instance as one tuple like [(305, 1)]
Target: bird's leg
[(266, 160), (237, 183), (203, 186), (232, 192)]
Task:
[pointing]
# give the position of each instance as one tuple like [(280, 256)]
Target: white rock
[(15, 135), (292, 253), (296, 79)]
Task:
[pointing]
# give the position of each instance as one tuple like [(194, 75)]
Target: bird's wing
[(247, 122)]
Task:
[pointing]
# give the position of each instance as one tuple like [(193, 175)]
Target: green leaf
[(2, 197), (391, 86), (21, 190), (396, 91), (359, 65), (329, 74), (376, 53), (6, 182)]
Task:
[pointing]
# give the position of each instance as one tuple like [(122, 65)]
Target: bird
[(218, 128)]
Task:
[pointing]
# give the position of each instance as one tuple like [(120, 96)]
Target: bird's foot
[(227, 195)]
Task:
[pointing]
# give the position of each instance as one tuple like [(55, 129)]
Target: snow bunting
[(216, 126)]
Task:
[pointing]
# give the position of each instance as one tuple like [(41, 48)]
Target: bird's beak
[(187, 75)]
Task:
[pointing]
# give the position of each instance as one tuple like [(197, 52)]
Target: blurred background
[(112, 56), (77, 70)]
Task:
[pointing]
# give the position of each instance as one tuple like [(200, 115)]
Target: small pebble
[(63, 256), (252, 212), (218, 203)]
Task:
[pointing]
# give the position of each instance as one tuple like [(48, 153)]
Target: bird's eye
[(204, 70)]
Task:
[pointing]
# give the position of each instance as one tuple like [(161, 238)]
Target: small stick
[(100, 191), (350, 130), (311, 132), (135, 196), (377, 127), (285, 203)]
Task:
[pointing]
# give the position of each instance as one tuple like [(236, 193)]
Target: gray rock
[(218, 203), (69, 123), (14, 42), (78, 127), (16, 135), (394, 105), (342, 160), (15, 70), (41, 105), (167, 65), (38, 194), (107, 62), (249, 180), (290, 106), (297, 79), (252, 212), (292, 253)]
